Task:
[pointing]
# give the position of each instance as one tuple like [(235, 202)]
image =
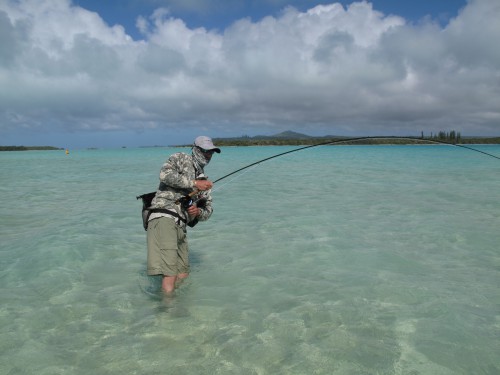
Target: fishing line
[(219, 187), (352, 140)]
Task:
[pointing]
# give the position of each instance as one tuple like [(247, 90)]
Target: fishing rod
[(187, 200), (352, 140)]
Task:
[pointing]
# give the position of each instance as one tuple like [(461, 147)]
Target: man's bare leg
[(168, 284), (180, 278)]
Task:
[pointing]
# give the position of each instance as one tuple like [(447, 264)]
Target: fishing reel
[(186, 202)]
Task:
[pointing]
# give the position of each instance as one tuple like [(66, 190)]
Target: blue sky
[(89, 73), (219, 14)]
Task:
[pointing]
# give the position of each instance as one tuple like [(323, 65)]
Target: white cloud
[(334, 69)]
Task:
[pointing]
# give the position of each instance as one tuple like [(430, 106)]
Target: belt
[(169, 213)]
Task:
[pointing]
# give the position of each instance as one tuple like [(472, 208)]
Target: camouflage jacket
[(177, 177)]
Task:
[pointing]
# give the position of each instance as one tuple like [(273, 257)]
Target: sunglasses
[(206, 151)]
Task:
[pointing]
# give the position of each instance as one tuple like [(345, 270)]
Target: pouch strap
[(168, 212)]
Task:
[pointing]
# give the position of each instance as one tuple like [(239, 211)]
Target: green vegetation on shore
[(377, 141), (28, 148), (289, 138)]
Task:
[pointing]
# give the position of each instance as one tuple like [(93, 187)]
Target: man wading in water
[(183, 198)]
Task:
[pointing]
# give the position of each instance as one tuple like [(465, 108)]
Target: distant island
[(29, 148), (291, 138)]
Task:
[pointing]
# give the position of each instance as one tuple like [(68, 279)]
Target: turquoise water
[(332, 260)]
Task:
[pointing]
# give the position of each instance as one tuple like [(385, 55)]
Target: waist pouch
[(147, 210)]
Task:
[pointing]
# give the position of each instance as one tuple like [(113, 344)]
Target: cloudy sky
[(90, 73)]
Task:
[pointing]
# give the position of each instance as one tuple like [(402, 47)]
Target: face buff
[(200, 161)]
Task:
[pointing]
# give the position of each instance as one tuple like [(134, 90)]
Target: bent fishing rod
[(353, 140), (187, 200)]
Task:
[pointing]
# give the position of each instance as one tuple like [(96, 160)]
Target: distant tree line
[(27, 148), (452, 136)]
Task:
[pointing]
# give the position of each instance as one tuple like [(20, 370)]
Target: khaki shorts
[(167, 248)]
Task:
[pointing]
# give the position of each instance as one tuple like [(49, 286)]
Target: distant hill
[(286, 137), (283, 135)]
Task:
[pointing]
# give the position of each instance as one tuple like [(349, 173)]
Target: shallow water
[(331, 260)]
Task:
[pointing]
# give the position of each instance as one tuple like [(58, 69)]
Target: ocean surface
[(330, 260)]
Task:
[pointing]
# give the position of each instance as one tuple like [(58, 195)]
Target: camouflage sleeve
[(175, 172), (205, 206)]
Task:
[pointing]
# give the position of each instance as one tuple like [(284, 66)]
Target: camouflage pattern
[(177, 177)]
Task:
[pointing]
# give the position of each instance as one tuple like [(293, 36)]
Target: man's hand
[(203, 184), (193, 211)]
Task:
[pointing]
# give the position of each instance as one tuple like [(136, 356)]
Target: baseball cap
[(206, 143)]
